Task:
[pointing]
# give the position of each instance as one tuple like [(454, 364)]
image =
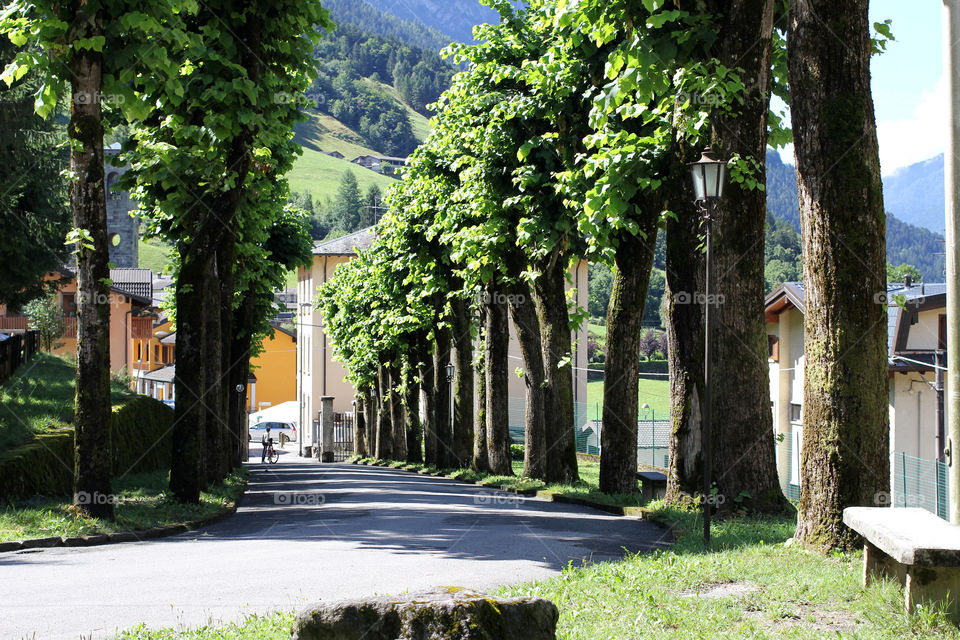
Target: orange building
[(274, 371)]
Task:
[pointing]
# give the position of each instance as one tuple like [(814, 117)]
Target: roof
[(164, 374), (346, 245), (135, 282), (902, 301), (169, 338)]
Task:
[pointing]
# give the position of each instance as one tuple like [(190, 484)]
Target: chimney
[(907, 281)]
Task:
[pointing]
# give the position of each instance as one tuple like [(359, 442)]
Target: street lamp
[(709, 178), (451, 370), (653, 432)]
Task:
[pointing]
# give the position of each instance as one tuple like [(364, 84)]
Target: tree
[(46, 318), (33, 204), (900, 272), (347, 209), (845, 457), (599, 285)]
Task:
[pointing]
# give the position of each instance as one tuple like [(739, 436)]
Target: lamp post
[(709, 178), (653, 433)]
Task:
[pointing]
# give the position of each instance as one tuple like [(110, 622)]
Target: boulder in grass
[(450, 614)]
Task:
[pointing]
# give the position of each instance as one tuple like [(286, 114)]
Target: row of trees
[(198, 86), (566, 139)]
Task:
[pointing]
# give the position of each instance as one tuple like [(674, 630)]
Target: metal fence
[(919, 482), (16, 350), (342, 436)]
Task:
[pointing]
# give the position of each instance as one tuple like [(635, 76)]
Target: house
[(129, 314), (334, 154), (320, 374), (916, 331), (387, 165)]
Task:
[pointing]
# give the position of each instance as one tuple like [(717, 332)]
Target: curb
[(99, 539), (641, 513)]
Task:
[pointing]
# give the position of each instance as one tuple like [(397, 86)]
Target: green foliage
[(370, 20), (46, 318), (783, 254), (908, 244), (900, 272)]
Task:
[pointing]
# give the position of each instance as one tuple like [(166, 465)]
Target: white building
[(916, 330)]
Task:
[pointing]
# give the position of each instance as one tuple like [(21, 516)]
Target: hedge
[(595, 370), (141, 438)]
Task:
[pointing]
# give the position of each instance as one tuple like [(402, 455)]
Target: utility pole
[(951, 67)]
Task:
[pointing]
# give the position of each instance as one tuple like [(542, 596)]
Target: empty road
[(307, 532)]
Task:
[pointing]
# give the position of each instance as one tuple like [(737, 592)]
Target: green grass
[(142, 503), (156, 255), (319, 174), (785, 592), (655, 392), (39, 397)]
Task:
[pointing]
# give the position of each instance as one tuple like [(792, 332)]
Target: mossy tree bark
[(442, 424), (845, 456), (550, 296), (633, 261), (383, 447), (226, 256), (462, 356), (397, 420), (215, 448), (480, 461), (496, 347), (531, 350), (93, 454), (373, 411), (244, 317), (411, 409), (428, 380), (744, 463), (360, 426)]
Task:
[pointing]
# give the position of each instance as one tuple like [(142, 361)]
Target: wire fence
[(919, 482)]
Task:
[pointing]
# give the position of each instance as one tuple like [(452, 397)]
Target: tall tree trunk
[(496, 349), (428, 380), (226, 255), (551, 301), (411, 406), (93, 454), (397, 418), (462, 339), (383, 448), (240, 342), (216, 431), (744, 463), (441, 391), (372, 404), (631, 276), (684, 322), (187, 474), (360, 426), (845, 456), (480, 461), (528, 337)]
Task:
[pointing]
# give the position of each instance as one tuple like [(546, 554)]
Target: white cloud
[(918, 137)]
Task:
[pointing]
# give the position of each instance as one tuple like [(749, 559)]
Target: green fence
[(919, 482)]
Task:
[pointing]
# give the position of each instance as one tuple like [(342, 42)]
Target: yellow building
[(274, 371)]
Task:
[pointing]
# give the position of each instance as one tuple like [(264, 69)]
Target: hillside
[(364, 15), (915, 194), (453, 17)]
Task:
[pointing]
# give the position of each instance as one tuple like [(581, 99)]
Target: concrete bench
[(913, 546), (653, 485)]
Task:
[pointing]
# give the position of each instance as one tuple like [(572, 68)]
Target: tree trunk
[(360, 426), (397, 420), (240, 341), (441, 408), (631, 275), (528, 337), (226, 256), (462, 339), (383, 449), (684, 321), (551, 300), (845, 455), (212, 396), (187, 473), (496, 348), (372, 404), (744, 462), (480, 461), (93, 454), (411, 405)]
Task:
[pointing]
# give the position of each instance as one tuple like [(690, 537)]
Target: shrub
[(516, 451)]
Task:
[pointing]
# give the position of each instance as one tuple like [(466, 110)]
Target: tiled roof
[(134, 282), (346, 245), (165, 374)]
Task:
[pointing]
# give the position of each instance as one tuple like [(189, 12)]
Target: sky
[(909, 88)]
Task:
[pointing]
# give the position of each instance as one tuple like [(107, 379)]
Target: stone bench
[(914, 547), (653, 485)]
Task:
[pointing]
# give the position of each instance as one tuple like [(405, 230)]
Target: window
[(70, 305), (794, 412), (773, 348), (156, 353)]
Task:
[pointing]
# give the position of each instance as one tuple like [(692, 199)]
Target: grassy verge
[(39, 397), (142, 503), (587, 488), (747, 585)]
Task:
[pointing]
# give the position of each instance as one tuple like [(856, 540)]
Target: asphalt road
[(308, 532)]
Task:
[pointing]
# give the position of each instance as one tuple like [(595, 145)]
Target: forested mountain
[(453, 17), (906, 243), (363, 15), (915, 194)]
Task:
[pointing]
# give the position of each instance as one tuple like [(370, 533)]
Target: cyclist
[(266, 441)]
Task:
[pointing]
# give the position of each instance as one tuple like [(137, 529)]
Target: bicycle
[(272, 454)]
